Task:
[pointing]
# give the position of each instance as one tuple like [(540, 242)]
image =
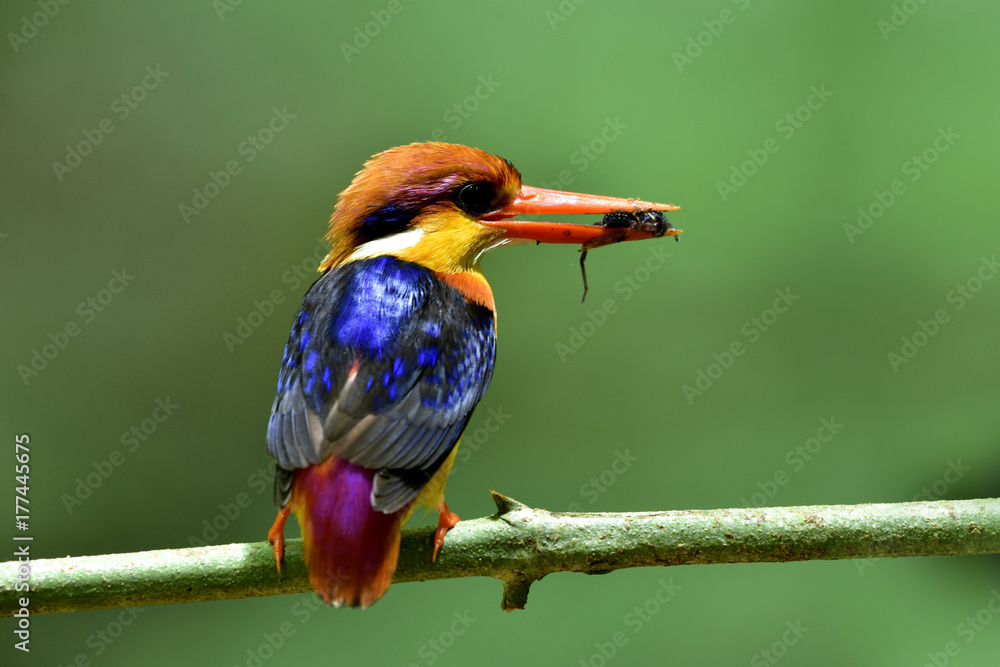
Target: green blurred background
[(655, 100)]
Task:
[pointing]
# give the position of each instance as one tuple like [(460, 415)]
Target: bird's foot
[(276, 536), (446, 521)]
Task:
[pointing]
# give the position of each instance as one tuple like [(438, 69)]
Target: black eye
[(476, 199)]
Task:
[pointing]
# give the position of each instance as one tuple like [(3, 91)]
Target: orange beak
[(540, 201)]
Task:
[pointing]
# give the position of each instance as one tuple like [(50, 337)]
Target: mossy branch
[(520, 545)]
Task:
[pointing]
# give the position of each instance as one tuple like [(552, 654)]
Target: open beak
[(540, 201)]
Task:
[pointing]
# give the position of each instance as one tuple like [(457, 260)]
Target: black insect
[(647, 221)]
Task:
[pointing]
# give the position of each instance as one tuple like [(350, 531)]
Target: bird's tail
[(350, 549)]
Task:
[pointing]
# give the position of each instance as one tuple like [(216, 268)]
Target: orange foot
[(446, 521), (276, 535)]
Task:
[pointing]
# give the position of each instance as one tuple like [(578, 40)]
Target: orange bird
[(394, 346)]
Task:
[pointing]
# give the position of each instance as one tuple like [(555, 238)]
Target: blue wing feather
[(383, 367)]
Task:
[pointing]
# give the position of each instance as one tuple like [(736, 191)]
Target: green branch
[(520, 545)]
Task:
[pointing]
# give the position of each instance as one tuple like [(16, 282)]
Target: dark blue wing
[(383, 368)]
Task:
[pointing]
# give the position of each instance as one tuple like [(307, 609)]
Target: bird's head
[(444, 205)]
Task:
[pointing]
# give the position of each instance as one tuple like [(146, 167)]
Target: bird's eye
[(476, 198)]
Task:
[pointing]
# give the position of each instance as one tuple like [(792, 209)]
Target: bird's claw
[(276, 536), (446, 521)]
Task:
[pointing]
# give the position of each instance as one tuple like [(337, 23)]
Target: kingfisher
[(393, 347)]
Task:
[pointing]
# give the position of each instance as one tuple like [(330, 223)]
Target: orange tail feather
[(350, 549)]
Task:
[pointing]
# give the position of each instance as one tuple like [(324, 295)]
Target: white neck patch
[(388, 245)]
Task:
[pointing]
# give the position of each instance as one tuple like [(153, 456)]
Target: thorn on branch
[(505, 504), (515, 592)]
